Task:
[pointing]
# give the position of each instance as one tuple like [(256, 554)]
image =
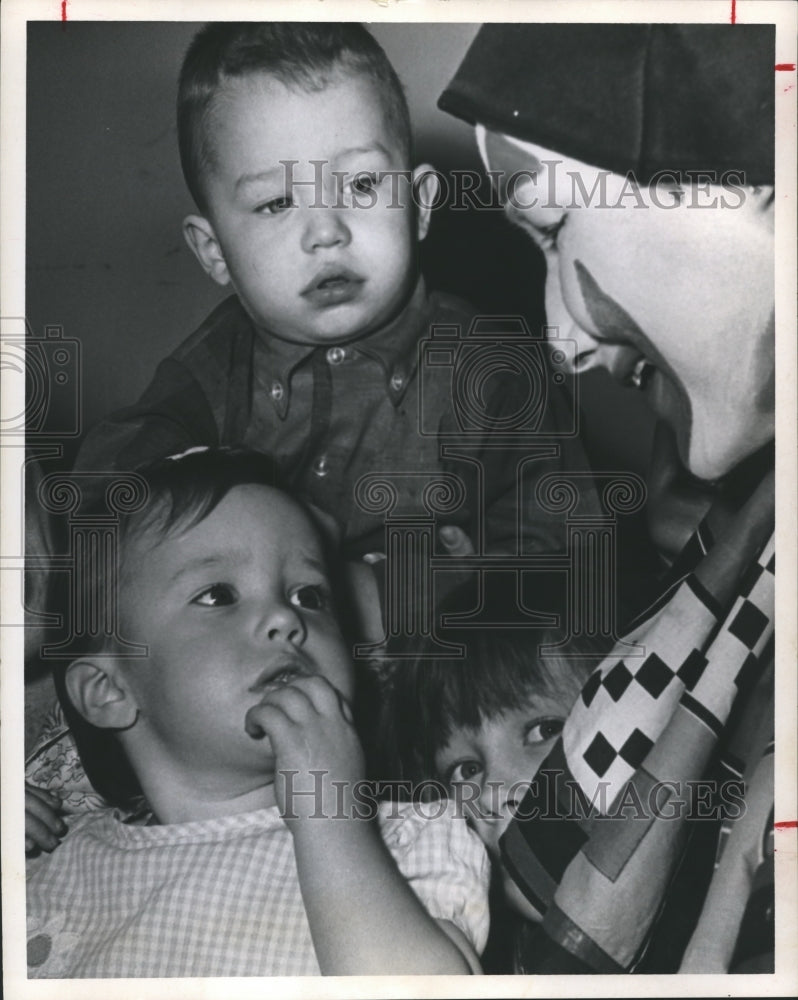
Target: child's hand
[(43, 826), (363, 599), (364, 922), (315, 745), (455, 541)]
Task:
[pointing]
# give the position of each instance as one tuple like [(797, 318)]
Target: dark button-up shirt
[(397, 402)]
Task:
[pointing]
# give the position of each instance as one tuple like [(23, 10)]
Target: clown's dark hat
[(627, 97)]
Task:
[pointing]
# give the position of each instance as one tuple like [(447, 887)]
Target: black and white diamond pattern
[(626, 703)]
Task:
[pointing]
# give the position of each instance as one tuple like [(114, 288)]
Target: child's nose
[(325, 228), (495, 807), (506, 783), (284, 623)]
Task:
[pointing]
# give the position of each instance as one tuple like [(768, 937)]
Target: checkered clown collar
[(646, 724)]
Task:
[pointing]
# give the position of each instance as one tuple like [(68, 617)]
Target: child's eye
[(310, 597), (466, 770), (543, 730), (276, 205), (365, 182), (218, 595)]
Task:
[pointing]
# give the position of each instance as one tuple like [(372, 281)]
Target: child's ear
[(97, 689), (201, 238), (425, 192)]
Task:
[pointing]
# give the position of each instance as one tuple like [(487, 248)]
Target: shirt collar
[(393, 347)]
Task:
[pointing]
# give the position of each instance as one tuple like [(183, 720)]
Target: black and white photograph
[(398, 431)]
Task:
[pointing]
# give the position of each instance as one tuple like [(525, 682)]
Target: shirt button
[(397, 381), (321, 466), (277, 391), (336, 355)]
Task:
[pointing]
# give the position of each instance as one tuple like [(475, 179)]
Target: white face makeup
[(671, 290)]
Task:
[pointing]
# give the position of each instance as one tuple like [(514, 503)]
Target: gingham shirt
[(221, 897)]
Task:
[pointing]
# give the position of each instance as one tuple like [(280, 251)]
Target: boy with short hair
[(252, 855), (295, 143)]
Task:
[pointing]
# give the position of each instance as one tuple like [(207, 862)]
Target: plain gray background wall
[(105, 200)]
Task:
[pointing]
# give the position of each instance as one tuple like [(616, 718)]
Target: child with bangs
[(478, 727), (296, 146), (239, 845)]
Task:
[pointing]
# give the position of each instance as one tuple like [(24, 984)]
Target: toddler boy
[(252, 854), (296, 146)]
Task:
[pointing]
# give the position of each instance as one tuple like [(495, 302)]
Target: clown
[(639, 158)]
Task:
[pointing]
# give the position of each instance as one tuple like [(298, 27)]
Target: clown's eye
[(543, 730), (218, 595), (547, 235)]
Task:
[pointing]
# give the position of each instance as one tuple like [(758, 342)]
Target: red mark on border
[(787, 824), (734, 12), (63, 10), (785, 67)]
